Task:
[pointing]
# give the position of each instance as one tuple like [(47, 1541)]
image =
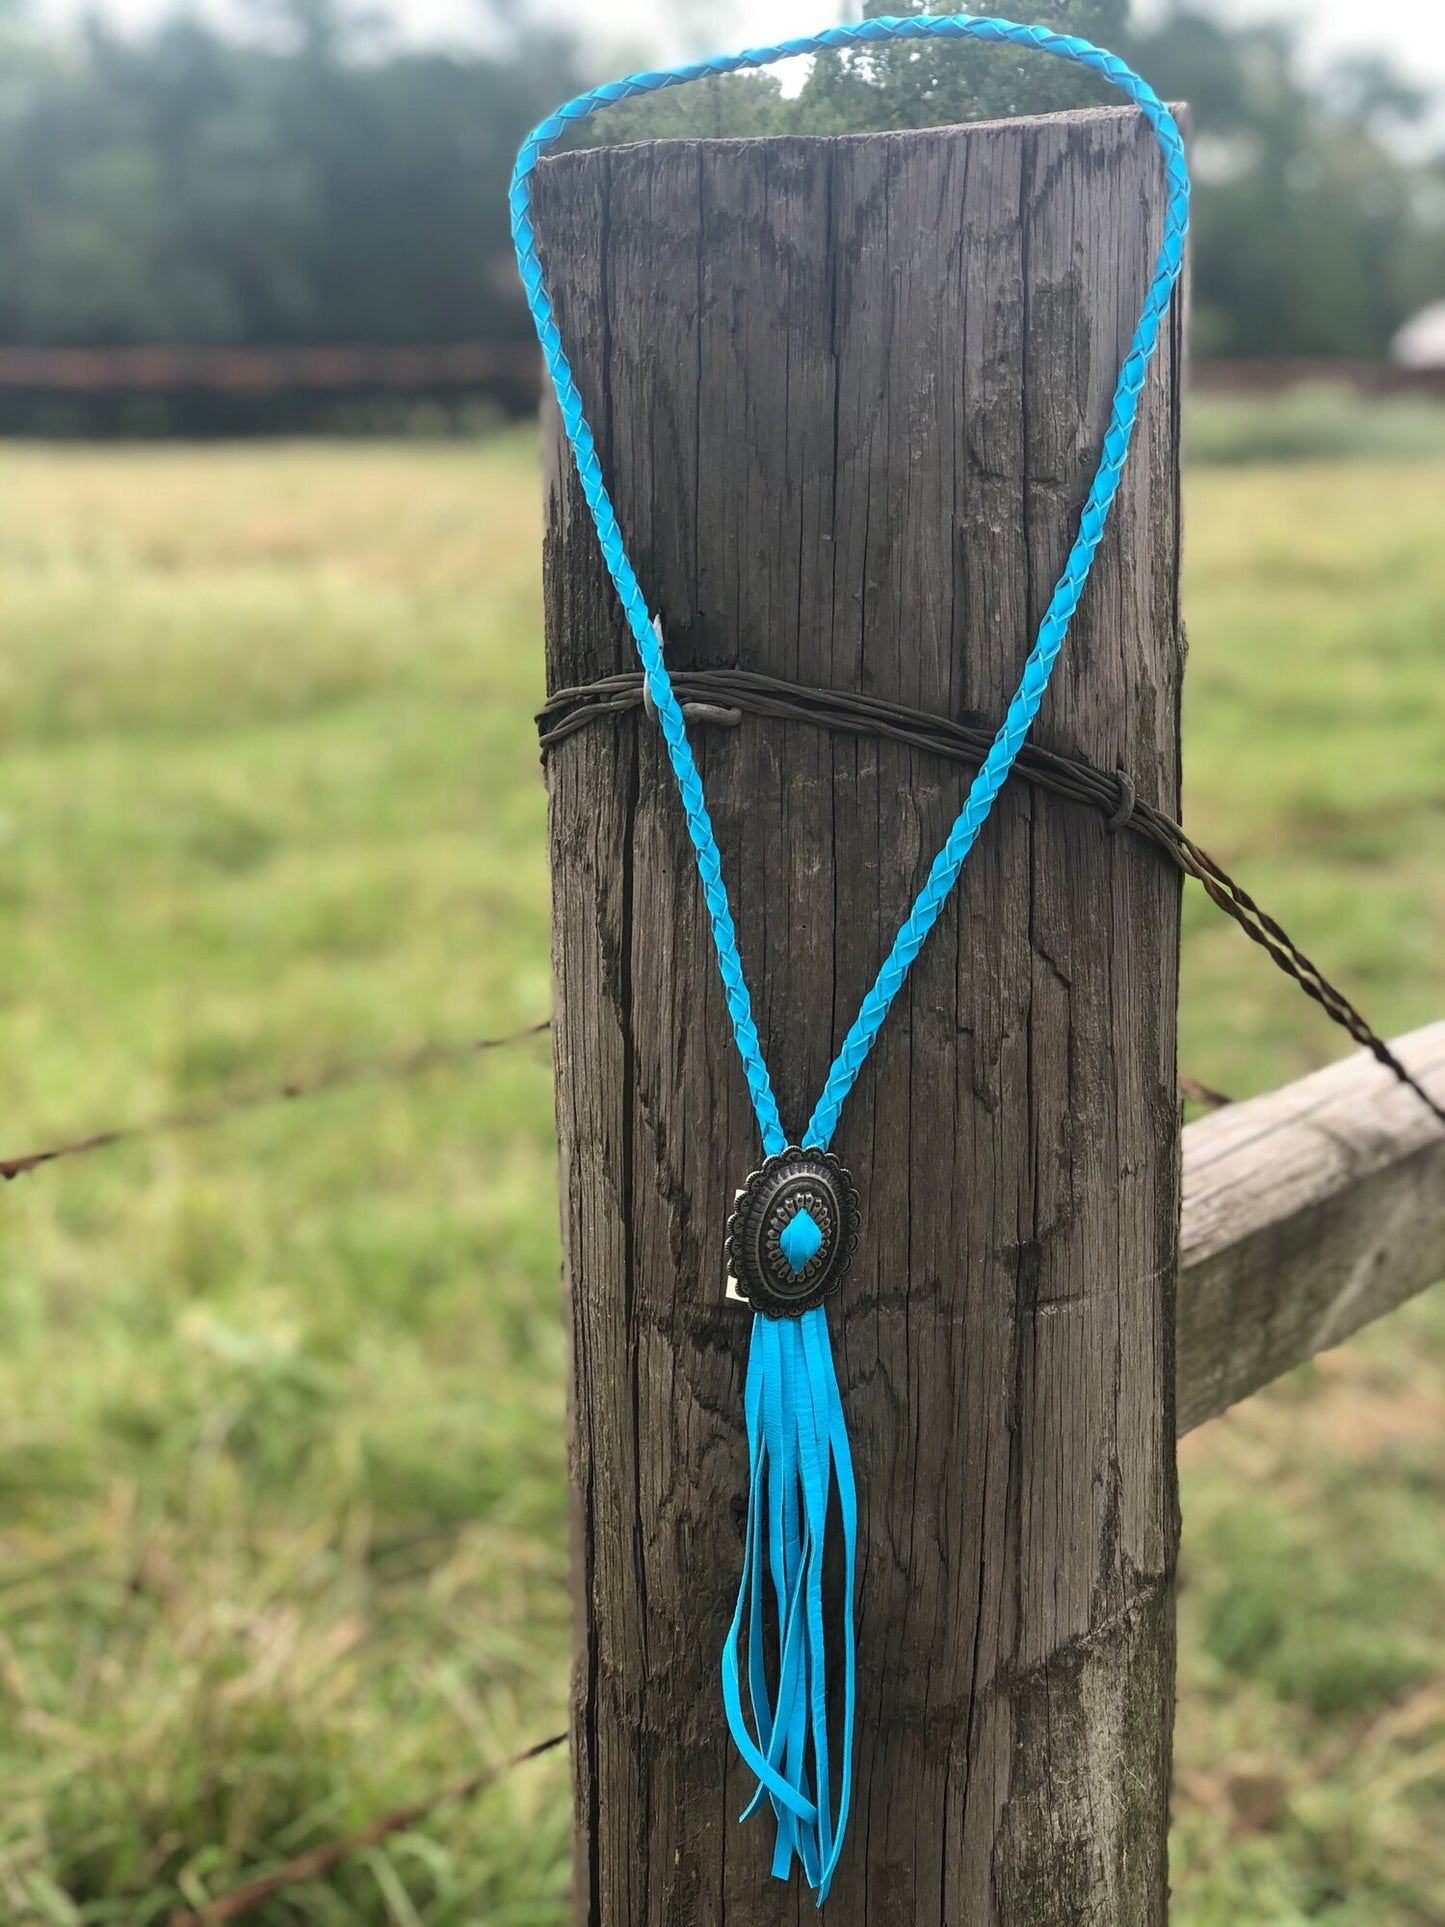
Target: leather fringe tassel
[(798, 1458)]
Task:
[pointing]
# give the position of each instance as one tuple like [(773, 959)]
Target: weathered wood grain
[(1307, 1214), (849, 395)]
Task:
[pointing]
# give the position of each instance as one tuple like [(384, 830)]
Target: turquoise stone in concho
[(800, 1239), (793, 1232)]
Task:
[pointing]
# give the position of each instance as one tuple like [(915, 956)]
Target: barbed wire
[(320, 1860), (394, 1064), (723, 696), (411, 1061)]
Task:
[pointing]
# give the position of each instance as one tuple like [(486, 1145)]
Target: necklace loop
[(1053, 629)]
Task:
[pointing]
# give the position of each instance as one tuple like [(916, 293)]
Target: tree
[(891, 86), (908, 84), (194, 186), (1312, 235)]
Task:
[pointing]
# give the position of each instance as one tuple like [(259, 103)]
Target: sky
[(1413, 31)]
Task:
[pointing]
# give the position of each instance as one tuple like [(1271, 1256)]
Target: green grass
[(282, 1515)]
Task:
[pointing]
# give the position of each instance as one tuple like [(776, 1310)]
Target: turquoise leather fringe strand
[(798, 1459)]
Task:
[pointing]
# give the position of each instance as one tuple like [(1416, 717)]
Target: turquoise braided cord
[(1053, 630), (634, 603)]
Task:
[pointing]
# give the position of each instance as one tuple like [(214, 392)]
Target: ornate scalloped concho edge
[(777, 1272)]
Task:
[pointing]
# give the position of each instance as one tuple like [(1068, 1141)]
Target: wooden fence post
[(849, 395)]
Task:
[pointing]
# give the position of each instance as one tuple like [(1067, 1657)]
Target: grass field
[(281, 1484)]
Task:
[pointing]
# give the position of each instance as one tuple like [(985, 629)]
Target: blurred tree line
[(304, 182), (311, 179)]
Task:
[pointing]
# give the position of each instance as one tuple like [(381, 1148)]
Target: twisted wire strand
[(414, 1061), (1053, 629), (723, 696), (316, 1862)]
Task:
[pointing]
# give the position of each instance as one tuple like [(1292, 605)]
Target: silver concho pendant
[(792, 1233)]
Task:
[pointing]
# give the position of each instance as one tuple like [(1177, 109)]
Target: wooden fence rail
[(1307, 1214)]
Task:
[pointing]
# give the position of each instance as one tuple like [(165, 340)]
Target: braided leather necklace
[(795, 1224)]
